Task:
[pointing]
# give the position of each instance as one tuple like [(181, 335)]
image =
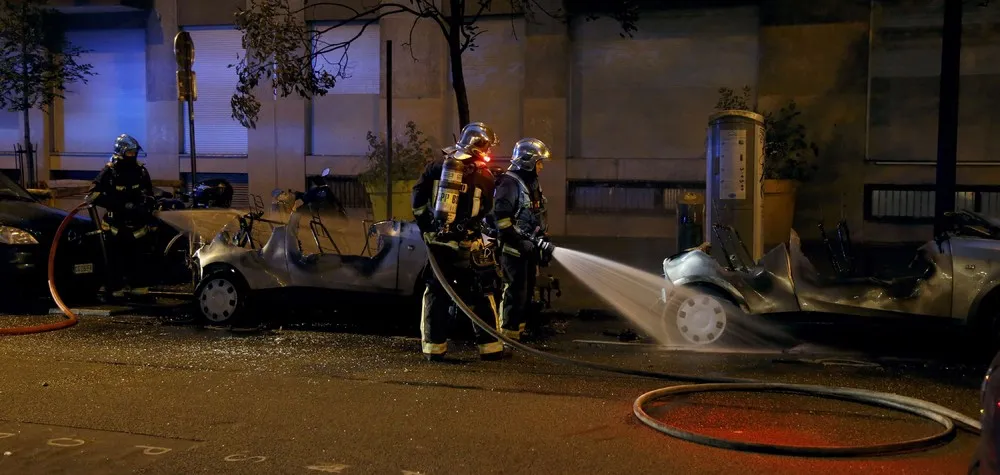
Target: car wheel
[(694, 316), (221, 298)]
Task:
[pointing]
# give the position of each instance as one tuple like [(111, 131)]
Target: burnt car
[(954, 278), (985, 461), (317, 251), (27, 228)]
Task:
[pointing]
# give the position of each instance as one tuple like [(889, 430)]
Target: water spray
[(71, 318), (946, 418)]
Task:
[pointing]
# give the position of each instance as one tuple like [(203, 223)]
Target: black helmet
[(127, 149)]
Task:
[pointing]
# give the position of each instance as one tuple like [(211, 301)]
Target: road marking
[(150, 450), (328, 467), (66, 442), (245, 458), (4, 435)]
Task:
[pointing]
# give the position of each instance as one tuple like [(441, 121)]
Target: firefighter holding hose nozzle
[(125, 190), (450, 201), (519, 217)]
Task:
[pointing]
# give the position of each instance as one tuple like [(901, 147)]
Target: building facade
[(626, 117)]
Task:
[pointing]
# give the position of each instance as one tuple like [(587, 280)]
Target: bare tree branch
[(294, 58)]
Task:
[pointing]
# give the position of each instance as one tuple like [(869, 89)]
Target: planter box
[(779, 211), (401, 204)]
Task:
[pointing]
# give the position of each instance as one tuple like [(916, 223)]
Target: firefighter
[(519, 216), (450, 201), (125, 190)]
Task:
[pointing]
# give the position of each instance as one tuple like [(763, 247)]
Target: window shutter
[(113, 102), (216, 132), (10, 131), (342, 118)]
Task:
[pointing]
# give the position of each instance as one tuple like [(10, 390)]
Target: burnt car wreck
[(953, 278)]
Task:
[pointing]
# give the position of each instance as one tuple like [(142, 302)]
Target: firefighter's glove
[(527, 247), (545, 249)]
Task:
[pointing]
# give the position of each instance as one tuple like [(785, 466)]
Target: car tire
[(695, 316), (221, 298)]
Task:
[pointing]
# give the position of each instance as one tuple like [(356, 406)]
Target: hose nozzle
[(545, 250)]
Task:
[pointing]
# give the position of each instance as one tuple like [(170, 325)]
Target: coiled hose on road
[(943, 416), (71, 318)]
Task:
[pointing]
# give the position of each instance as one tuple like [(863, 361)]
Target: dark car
[(26, 231), (989, 442)]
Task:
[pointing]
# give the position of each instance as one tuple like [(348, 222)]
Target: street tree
[(37, 62), (283, 50)]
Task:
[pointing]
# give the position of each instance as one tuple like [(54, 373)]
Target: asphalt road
[(132, 395)]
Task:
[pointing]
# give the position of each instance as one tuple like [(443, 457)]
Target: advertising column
[(734, 155)]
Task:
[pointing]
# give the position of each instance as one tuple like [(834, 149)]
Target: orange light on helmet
[(486, 157)]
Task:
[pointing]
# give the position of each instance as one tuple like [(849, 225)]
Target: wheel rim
[(218, 300), (701, 319)]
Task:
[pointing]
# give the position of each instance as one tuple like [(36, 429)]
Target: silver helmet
[(127, 148), (476, 141), (527, 153)]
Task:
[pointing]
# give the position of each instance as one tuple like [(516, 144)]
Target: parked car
[(27, 228), (316, 251), (954, 278), (985, 462)]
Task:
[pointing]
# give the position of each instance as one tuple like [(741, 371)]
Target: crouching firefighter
[(125, 190), (519, 216), (450, 201)]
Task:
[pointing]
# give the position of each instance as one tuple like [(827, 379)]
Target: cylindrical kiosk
[(690, 220), (735, 163)]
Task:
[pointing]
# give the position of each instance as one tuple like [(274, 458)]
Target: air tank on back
[(449, 189)]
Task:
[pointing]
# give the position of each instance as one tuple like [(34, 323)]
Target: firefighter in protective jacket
[(519, 214), (125, 190), (450, 201)]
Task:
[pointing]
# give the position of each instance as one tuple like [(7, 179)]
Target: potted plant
[(788, 161), (409, 158)]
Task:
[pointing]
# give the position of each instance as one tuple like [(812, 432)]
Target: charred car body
[(954, 278), (303, 253)]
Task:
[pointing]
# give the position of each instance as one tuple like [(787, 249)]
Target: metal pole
[(388, 126), (194, 164), (947, 156)]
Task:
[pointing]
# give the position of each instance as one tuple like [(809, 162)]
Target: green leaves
[(408, 158), (787, 153), (37, 62), (283, 52)]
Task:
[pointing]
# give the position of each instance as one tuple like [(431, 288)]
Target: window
[(216, 132), (113, 101), (627, 197), (10, 131), (342, 118), (905, 82)]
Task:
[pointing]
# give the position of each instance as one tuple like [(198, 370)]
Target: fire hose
[(946, 418), (71, 318)]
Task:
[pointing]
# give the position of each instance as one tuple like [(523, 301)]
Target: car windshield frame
[(9, 189)]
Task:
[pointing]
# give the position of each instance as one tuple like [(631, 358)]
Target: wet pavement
[(125, 393)]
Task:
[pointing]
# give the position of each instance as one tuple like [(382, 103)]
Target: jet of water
[(635, 294)]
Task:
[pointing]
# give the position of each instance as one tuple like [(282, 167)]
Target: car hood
[(36, 217)]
